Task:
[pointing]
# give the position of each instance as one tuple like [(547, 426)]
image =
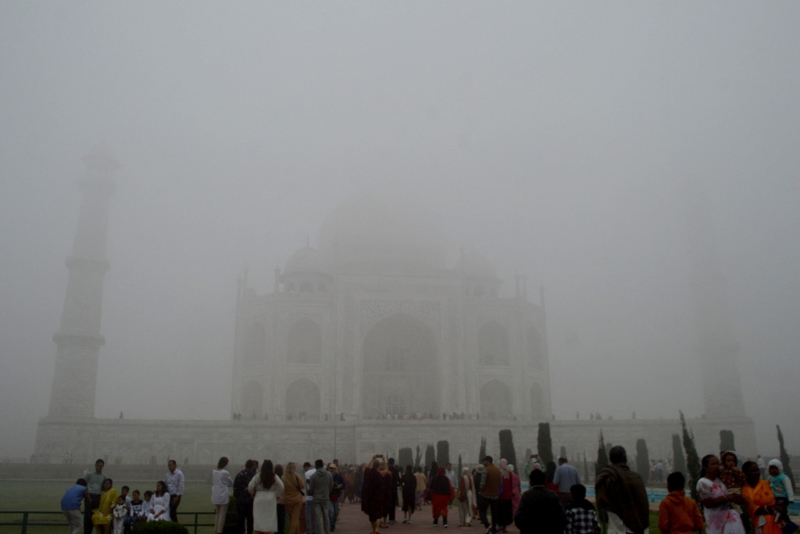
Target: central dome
[(374, 234)]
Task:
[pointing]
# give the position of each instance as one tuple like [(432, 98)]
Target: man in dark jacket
[(540, 509), (244, 501), (622, 493), (320, 486)]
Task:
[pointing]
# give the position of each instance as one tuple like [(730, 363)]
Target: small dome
[(475, 265), (305, 260)]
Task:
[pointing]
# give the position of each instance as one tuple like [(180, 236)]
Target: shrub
[(442, 453), (507, 447), (545, 443), (726, 442), (642, 460), (602, 456), (692, 459), (405, 457)]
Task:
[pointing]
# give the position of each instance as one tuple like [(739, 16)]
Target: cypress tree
[(460, 469), (482, 451), (405, 457), (787, 469), (528, 453), (692, 459), (642, 460), (562, 452), (726, 442), (545, 443), (507, 447), (442, 453), (602, 456), (418, 457), (430, 456), (678, 459), (585, 467)]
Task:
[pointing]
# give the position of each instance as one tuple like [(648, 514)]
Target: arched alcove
[(400, 351), (255, 344), (534, 345), (537, 402), (252, 400), (304, 342), (303, 400), (493, 344), (495, 400)]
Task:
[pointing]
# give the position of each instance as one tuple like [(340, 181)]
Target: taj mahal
[(372, 340)]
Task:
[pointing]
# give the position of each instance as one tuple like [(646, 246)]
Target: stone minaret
[(717, 349), (78, 341)]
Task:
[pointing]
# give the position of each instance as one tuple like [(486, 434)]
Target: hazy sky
[(554, 137)]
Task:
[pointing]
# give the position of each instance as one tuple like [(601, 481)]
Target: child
[(734, 479), (784, 494), (123, 492), (677, 513), (137, 509), (119, 512), (780, 484), (581, 515), (147, 506)]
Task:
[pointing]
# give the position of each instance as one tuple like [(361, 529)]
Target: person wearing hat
[(336, 493)]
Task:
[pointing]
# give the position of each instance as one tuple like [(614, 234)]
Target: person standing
[(71, 505), (175, 481), (372, 493), (309, 470), (759, 500), (94, 484), (466, 497), (565, 477), (244, 501), (720, 516), (336, 494), (489, 489), (441, 494), (539, 509), (265, 488), (293, 496), (409, 483), (395, 472), (677, 513), (220, 482), (320, 486), (622, 493)]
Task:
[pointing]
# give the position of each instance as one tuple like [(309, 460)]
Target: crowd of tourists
[(272, 498)]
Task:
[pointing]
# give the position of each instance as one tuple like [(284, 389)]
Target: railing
[(30, 519)]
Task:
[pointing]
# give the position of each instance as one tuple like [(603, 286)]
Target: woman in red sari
[(441, 495), (760, 500), (372, 494)]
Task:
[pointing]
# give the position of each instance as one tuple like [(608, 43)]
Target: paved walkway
[(353, 520)]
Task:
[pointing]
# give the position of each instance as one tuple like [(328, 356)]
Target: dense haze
[(557, 139)]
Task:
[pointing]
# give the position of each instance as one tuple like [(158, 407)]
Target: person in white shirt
[(220, 482)]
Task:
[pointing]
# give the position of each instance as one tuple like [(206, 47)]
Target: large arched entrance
[(401, 368), (303, 400), (495, 400)]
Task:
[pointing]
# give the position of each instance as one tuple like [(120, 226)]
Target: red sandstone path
[(353, 521)]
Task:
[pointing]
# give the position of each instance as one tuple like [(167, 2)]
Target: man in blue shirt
[(71, 505), (565, 477)]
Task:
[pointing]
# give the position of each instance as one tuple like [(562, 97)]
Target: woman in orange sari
[(760, 501)]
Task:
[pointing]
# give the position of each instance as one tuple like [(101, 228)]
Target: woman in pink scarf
[(516, 494)]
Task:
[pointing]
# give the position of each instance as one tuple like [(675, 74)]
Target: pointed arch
[(495, 400), (303, 400), (304, 342), (400, 368), (252, 400), (534, 345), (493, 344)]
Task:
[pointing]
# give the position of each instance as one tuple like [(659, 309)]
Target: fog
[(557, 139)]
